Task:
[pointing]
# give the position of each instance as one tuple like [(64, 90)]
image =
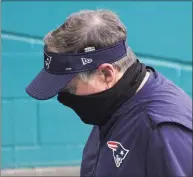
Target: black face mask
[(97, 109)]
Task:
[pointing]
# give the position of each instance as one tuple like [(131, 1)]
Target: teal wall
[(44, 133)]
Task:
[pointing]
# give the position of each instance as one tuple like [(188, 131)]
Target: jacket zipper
[(94, 172)]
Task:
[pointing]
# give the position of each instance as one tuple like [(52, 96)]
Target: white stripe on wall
[(22, 39)]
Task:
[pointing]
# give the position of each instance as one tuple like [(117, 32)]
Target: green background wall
[(44, 133)]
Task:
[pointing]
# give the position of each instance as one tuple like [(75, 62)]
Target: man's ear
[(107, 73)]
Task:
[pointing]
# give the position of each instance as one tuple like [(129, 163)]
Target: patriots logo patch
[(47, 60), (119, 152)]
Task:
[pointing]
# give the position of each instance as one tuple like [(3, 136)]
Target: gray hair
[(90, 28)]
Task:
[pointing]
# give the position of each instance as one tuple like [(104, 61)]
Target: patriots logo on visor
[(48, 61), (119, 152)]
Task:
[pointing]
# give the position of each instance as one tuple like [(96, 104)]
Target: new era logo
[(86, 61)]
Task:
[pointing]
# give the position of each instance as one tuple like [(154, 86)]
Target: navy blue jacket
[(149, 136)]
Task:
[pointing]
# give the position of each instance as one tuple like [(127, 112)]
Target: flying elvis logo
[(119, 152), (48, 61)]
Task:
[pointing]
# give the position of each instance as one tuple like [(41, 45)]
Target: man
[(142, 121)]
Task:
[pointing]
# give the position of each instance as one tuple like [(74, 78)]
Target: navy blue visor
[(60, 68)]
